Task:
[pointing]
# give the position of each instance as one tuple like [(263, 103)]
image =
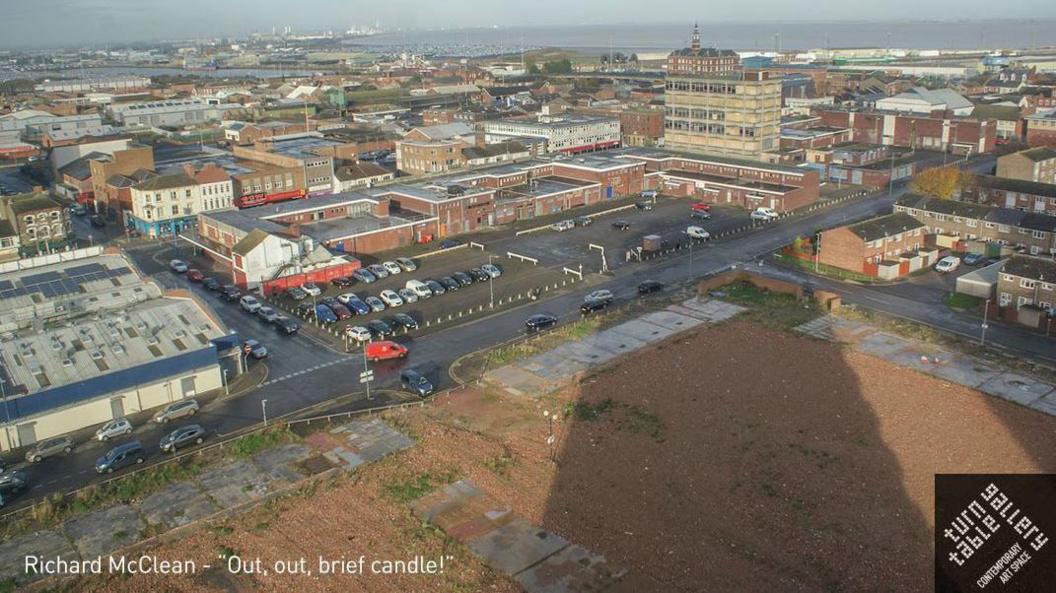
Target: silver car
[(187, 407), (48, 448), (115, 428)]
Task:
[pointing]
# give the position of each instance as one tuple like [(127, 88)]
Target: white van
[(419, 288), (696, 232)]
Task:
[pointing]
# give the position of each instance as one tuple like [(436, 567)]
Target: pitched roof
[(1001, 112), (1016, 185), (32, 202), (360, 170), (249, 242), (1027, 266), (885, 226), (169, 181), (475, 152), (1041, 153)]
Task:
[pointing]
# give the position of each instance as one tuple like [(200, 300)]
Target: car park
[(973, 259), (450, 283), (385, 350), (650, 286), (249, 303), (359, 333), (377, 305), (947, 264), (390, 298), (435, 287), (696, 232), (601, 294), (211, 284), (305, 309), (41, 450), (181, 437), (583, 221), (407, 264), (345, 297), (491, 270), (700, 214), (340, 310), (764, 214), (297, 293), (176, 410), (325, 315), (463, 278), (379, 329), (621, 225), (420, 288), (408, 295), (415, 382), (539, 322), (123, 455), (195, 275), (231, 293), (594, 305), (114, 428), (12, 483), (378, 270), (364, 276), (403, 320), (267, 314), (286, 325), (342, 282), (358, 307), (563, 225), (391, 267), (479, 275), (311, 288), (255, 349), (178, 265)]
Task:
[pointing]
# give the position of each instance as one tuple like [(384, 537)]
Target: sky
[(71, 22)]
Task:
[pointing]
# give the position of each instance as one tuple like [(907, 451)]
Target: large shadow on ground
[(739, 458)]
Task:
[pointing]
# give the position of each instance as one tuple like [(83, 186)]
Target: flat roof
[(300, 146), (336, 229), (732, 181), (541, 187), (658, 155)]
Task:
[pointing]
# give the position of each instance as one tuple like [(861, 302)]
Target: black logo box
[(992, 533)]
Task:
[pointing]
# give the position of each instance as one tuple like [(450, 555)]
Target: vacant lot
[(738, 458)]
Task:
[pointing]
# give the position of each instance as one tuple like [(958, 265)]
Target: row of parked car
[(366, 275)]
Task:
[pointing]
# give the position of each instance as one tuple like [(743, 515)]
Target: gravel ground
[(736, 458)]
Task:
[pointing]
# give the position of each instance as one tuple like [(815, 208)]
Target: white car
[(358, 333), (599, 295), (948, 264), (311, 288), (390, 298), (407, 295), (392, 267), (346, 297), (764, 214), (696, 232), (491, 270), (179, 266), (563, 225), (249, 303), (115, 428)]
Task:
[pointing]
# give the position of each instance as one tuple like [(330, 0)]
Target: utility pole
[(982, 335), (491, 286), (366, 372), (264, 410), (891, 181)]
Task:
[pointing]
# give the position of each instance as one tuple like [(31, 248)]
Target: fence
[(523, 258)]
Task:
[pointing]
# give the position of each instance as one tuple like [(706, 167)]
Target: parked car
[(539, 322), (385, 350), (305, 310), (696, 232), (643, 205), (601, 294), (764, 214), (377, 305), (76, 209), (267, 314), (583, 221), (378, 270), (12, 484), (176, 410), (379, 329), (211, 284), (97, 221), (255, 349), (420, 288), (700, 214), (178, 265), (287, 325), (650, 286), (435, 287), (123, 455), (594, 305), (450, 283), (297, 293), (231, 293), (195, 275), (357, 306), (408, 295), (342, 282), (973, 259), (249, 304), (403, 320), (449, 243), (364, 276), (344, 297), (48, 448), (415, 382), (491, 270), (700, 207), (181, 437), (463, 278), (563, 225), (114, 428), (324, 314), (390, 298), (947, 264), (391, 267), (340, 310), (621, 225), (479, 275), (311, 288), (407, 264), (649, 194), (359, 333)]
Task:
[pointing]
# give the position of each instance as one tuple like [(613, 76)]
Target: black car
[(97, 221), (583, 221), (650, 286), (479, 275), (341, 282), (11, 484), (700, 214), (643, 205), (305, 309), (463, 278), (415, 382), (539, 322), (181, 437), (435, 286), (594, 305), (450, 283), (231, 293), (286, 325), (379, 328), (621, 225), (403, 320), (449, 243), (211, 284)]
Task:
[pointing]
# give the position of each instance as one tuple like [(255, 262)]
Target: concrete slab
[(281, 462), (583, 354), (1046, 404), (517, 381), (882, 344), (176, 505), (516, 546), (100, 532), (430, 506), (963, 370), (49, 544), (343, 457), (573, 569), (615, 342), (671, 320), (235, 483), (713, 310), (646, 332), (373, 439), (1016, 388)]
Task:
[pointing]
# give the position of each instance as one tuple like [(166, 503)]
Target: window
[(1025, 283)]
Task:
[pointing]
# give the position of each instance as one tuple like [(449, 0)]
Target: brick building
[(642, 127), (120, 163), (927, 132), (1014, 193), (888, 247), (1033, 164), (1041, 129), (1026, 290), (696, 60)]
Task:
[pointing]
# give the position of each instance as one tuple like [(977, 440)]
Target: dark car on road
[(12, 483), (231, 293), (643, 205), (650, 286), (539, 322), (403, 320), (415, 382), (379, 328), (973, 259), (97, 221), (583, 221), (450, 283), (255, 349), (463, 278), (621, 225), (181, 437), (449, 243), (594, 305), (700, 214), (211, 284), (286, 325), (123, 455), (435, 286)]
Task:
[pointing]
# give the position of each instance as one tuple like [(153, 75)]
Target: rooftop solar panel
[(39, 278), (6, 285), (84, 269)]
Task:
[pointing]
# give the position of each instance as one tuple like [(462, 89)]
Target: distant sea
[(997, 34), (110, 71)]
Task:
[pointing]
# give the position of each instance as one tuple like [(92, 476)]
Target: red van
[(385, 350)]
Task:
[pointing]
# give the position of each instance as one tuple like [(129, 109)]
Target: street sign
[(366, 376)]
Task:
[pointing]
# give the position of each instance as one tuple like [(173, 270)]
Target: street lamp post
[(227, 385), (986, 311), (264, 410), (491, 285), (366, 371)]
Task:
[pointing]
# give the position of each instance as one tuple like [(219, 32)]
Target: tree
[(941, 182), (633, 58), (559, 67)]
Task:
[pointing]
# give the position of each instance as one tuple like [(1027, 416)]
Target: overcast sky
[(66, 22)]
